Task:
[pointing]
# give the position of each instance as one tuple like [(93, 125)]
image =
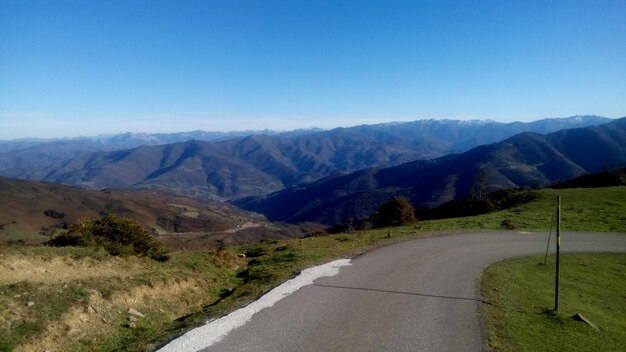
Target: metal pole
[(558, 248)]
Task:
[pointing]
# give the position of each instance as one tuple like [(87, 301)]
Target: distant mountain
[(525, 159), (17, 144), (257, 164), (450, 131), (28, 208), (132, 140), (194, 168), (35, 158), (434, 138)]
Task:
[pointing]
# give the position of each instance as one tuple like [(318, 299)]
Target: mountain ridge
[(259, 164), (524, 160), (134, 139)]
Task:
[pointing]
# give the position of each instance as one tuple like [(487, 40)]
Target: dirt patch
[(245, 225), (17, 267), (175, 298), (13, 313)]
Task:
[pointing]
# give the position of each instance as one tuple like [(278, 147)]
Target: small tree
[(118, 236), (478, 188), (395, 212)]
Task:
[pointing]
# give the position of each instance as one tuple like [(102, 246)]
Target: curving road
[(419, 295)]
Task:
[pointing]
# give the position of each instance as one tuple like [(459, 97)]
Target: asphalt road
[(420, 295)]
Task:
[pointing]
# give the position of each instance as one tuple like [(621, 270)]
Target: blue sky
[(71, 68)]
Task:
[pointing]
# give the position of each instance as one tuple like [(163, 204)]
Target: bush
[(358, 225), (508, 224), (118, 236), (396, 212), (54, 214)]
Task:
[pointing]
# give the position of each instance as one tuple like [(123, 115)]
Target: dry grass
[(82, 297)]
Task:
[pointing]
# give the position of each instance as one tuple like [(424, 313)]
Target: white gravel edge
[(215, 330)]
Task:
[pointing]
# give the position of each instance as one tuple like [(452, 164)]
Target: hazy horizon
[(244, 130)]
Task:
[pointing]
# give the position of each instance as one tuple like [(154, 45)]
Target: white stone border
[(215, 330)]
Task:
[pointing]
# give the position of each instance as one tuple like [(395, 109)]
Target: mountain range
[(257, 164), (524, 160), (133, 140)]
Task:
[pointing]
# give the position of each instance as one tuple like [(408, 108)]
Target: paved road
[(419, 295)]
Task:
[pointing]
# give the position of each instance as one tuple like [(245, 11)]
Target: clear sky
[(85, 67)]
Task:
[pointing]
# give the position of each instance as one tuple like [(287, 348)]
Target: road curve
[(418, 295)]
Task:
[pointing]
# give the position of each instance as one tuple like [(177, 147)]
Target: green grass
[(582, 210), (12, 233), (521, 296)]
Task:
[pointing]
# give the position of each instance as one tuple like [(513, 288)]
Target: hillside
[(28, 208), (195, 168), (525, 160), (256, 164), (85, 304), (600, 209)]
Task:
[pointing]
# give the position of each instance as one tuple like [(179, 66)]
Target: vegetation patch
[(396, 212), (520, 314), (118, 236), (90, 312)]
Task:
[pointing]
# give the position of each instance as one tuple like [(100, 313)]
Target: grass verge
[(583, 210), (521, 292)]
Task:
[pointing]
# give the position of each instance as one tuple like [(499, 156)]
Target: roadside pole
[(558, 248)]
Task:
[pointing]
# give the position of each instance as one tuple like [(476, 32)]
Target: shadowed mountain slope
[(194, 168), (525, 160)]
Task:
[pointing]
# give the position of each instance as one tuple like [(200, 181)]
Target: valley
[(222, 257), (290, 184), (33, 211)]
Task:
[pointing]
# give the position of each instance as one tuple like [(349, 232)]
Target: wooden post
[(558, 249)]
